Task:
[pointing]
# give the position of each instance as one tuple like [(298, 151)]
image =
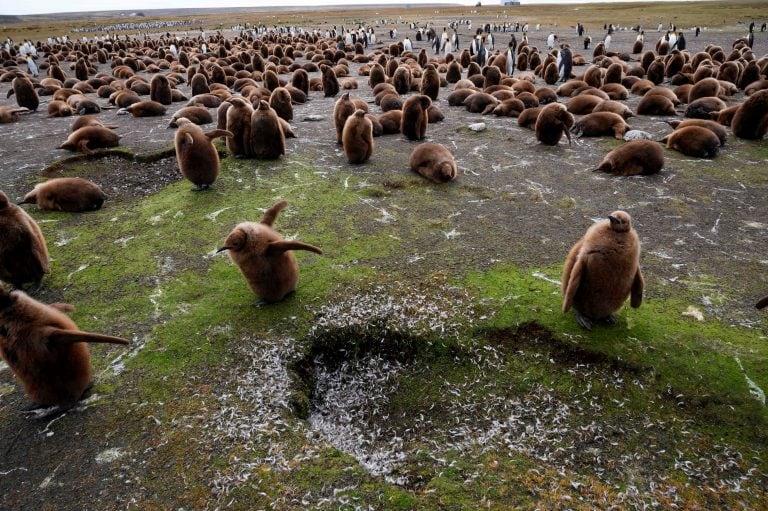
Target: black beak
[(222, 249), (613, 220)]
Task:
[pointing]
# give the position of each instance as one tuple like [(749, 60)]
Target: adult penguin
[(511, 56), (564, 62)]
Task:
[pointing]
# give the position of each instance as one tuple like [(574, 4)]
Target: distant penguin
[(195, 153), (565, 63), (267, 137), (357, 137), (32, 66), (602, 270), (415, 117), (23, 252), (637, 157), (433, 161), (46, 351), (264, 257), (66, 194), (553, 121)]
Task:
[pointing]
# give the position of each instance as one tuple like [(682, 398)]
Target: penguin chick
[(46, 351), (264, 257), (66, 194), (357, 137), (23, 252), (196, 154), (433, 161), (602, 269)]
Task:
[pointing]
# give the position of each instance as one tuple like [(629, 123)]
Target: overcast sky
[(46, 6)]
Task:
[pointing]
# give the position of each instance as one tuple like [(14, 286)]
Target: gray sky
[(46, 6)]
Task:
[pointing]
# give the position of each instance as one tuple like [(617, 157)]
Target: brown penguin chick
[(705, 88), (82, 105), (725, 116), (264, 257), (390, 121), (9, 114), (602, 269), (46, 351), (637, 157), (545, 95), (267, 137), (26, 95), (58, 108), (357, 137), (146, 108), (508, 108), (702, 108), (415, 117), (343, 108), (402, 80), (433, 161), (693, 141), (197, 114), (598, 124), (434, 114), (280, 101), (88, 138), (239, 124), (66, 194), (453, 73), (583, 104), (751, 119), (330, 82), (430, 82), (221, 115), (552, 122), (478, 102), (655, 104), (378, 129), (609, 105), (714, 127), (88, 120), (197, 157), (23, 252), (528, 117), (286, 127), (160, 90)]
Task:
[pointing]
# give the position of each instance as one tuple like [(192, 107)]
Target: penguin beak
[(613, 219), (222, 249)]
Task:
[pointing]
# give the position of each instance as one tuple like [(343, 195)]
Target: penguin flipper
[(572, 277)]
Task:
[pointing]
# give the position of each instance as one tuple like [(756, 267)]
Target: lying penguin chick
[(433, 161), (264, 257), (66, 194), (46, 351), (23, 252), (602, 269), (197, 157)]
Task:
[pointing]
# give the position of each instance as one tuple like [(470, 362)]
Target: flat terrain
[(424, 361)]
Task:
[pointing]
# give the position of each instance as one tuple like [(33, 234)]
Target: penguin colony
[(253, 87)]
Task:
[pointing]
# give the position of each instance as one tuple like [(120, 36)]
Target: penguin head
[(620, 221)]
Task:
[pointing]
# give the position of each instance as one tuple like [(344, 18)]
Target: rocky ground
[(468, 387)]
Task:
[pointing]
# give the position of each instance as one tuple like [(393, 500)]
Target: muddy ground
[(704, 232)]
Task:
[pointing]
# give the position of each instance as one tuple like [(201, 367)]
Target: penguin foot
[(583, 321), (609, 320), (259, 303), (201, 188), (36, 287)]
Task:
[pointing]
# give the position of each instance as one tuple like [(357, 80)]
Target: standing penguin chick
[(415, 117), (602, 269), (197, 157), (66, 194), (26, 95), (433, 161), (46, 351), (267, 137), (552, 122), (357, 137), (23, 252), (343, 108), (264, 257)]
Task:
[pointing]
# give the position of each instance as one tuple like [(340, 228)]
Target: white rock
[(478, 126)]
